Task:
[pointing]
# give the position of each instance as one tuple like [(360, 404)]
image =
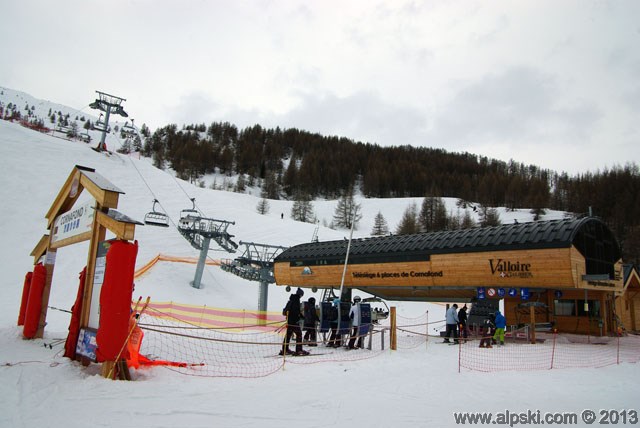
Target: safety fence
[(411, 332), (209, 317), (241, 349), (551, 351), (174, 259)]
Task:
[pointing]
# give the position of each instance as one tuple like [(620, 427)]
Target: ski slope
[(406, 388)]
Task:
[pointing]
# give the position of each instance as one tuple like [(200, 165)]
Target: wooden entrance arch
[(102, 217)]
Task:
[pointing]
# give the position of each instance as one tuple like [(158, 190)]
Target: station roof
[(582, 233)]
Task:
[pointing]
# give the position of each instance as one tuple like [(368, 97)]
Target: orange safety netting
[(165, 258), (552, 351), (243, 345), (209, 317)]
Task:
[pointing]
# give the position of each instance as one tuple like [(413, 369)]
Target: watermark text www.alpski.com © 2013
[(537, 417)]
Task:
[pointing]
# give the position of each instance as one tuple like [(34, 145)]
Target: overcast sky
[(551, 83)]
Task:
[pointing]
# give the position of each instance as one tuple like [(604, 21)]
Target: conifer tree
[(489, 217), (467, 221), (380, 226), (409, 223), (263, 206), (302, 209), (433, 215), (347, 211), (240, 184)]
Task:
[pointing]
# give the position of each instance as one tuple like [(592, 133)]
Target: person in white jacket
[(354, 314), (452, 324)]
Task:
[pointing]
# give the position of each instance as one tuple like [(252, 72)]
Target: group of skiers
[(491, 330), (310, 319)]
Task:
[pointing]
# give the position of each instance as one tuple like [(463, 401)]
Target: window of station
[(577, 307)]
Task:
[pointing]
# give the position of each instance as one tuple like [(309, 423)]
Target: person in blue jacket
[(501, 323)]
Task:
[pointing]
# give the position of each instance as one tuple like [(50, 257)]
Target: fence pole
[(393, 334), (426, 333), (553, 349), (459, 354)]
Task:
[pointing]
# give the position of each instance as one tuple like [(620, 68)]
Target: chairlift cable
[(193, 200), (152, 193)]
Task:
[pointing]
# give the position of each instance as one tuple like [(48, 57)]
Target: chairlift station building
[(573, 266)]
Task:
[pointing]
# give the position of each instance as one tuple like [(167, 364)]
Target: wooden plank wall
[(538, 268)]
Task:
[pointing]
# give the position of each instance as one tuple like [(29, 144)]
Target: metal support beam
[(263, 298), (206, 240)]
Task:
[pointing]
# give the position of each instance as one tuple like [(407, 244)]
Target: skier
[(292, 310), (335, 340), (501, 323), (452, 324), (354, 314), (462, 319), (487, 331), (310, 321)]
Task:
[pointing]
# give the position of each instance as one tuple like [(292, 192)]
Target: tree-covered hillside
[(296, 164)]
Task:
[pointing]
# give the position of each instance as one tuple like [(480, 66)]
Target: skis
[(296, 355)]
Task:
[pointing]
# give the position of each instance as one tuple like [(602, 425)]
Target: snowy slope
[(405, 388)]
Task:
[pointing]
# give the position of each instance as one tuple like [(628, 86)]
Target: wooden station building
[(571, 267)]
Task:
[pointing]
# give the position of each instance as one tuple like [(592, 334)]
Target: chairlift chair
[(128, 130), (378, 312), (100, 125), (189, 215), (156, 218)]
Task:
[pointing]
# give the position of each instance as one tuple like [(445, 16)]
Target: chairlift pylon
[(156, 218)]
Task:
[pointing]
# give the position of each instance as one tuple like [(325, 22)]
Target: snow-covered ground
[(405, 388)]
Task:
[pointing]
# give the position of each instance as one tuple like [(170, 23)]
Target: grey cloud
[(362, 116), (519, 104)]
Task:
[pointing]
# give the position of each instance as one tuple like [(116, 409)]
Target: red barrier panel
[(74, 324), (25, 297), (115, 300), (34, 303)]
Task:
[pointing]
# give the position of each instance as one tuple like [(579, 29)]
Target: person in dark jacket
[(293, 325), (310, 322), (335, 340), (462, 321), (487, 330)]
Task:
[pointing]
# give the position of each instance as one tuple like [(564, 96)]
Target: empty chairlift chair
[(156, 218)]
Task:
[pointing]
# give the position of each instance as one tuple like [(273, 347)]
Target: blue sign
[(558, 294), (513, 292), (481, 293), (87, 344), (501, 292), (524, 293)]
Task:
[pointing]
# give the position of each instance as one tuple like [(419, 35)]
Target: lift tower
[(255, 264), (199, 231), (108, 104)]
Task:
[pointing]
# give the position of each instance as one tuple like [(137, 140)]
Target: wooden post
[(393, 334), (98, 235), (532, 315), (49, 263)]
